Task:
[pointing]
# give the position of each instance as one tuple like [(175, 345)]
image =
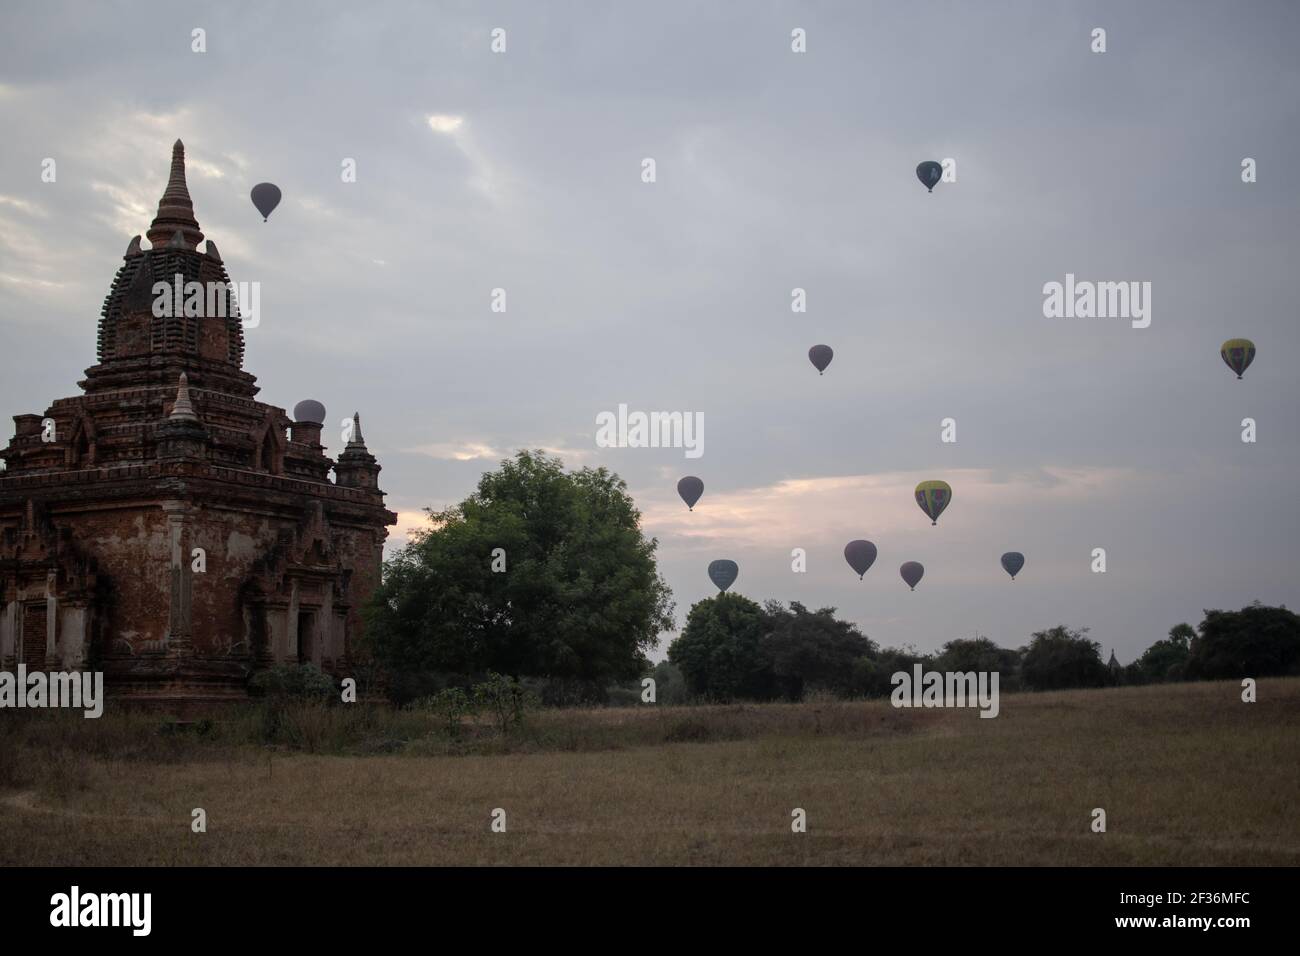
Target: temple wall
[(72, 647), (362, 551), (8, 631), (132, 551), (233, 541)]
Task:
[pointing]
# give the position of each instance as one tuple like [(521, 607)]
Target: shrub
[(451, 706), (623, 695), (670, 684), (294, 682), (504, 699), (566, 692)]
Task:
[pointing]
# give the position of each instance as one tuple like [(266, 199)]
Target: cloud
[(29, 282), (203, 169), (130, 209), (24, 206), (497, 451), (487, 177), (458, 451), (796, 510), (317, 206), (408, 523), (442, 123)]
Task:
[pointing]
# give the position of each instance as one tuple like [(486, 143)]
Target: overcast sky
[(775, 170)]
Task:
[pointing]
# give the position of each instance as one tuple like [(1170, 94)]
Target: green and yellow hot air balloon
[(933, 497), (1238, 353)]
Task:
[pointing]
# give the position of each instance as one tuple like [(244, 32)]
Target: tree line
[(731, 648), (545, 575)]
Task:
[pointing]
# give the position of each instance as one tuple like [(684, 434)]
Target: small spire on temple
[(133, 249), (356, 467), (356, 440), (183, 409)]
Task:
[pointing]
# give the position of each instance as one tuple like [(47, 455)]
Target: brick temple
[(165, 526)]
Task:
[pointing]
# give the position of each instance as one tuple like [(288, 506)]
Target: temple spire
[(175, 208), (183, 409), (356, 467), (356, 441)]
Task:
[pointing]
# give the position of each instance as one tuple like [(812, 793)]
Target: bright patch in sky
[(442, 123)]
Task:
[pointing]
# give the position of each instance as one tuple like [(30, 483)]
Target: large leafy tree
[(720, 650), (1165, 660), (811, 649), (732, 648), (981, 654), (873, 673), (579, 597), (1256, 641), (1060, 658)]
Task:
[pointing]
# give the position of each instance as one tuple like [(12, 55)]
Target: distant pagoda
[(165, 526)]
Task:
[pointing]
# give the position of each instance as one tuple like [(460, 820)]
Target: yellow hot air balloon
[(933, 497), (1238, 353)]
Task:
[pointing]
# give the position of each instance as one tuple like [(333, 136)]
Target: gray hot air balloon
[(820, 356), (929, 173), (690, 488), (723, 573), (911, 572), (1012, 562), (266, 196), (860, 555)]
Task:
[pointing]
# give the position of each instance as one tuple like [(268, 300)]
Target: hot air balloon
[(860, 555), (266, 196), (911, 572), (1238, 353), (929, 172), (820, 356), (1012, 562), (933, 497), (723, 573), (690, 488)]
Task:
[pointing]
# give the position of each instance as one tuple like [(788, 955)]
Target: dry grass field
[(1187, 774)]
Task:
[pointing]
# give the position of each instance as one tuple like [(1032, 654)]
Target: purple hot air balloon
[(690, 488), (1012, 562), (911, 572), (266, 196), (723, 573), (820, 356), (860, 555)]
